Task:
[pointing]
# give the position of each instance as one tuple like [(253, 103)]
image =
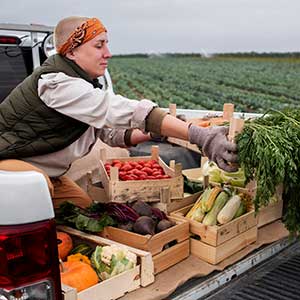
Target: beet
[(144, 225), (126, 226), (158, 214), (163, 225), (142, 208)]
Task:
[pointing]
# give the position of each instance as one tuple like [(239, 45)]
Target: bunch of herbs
[(269, 152)]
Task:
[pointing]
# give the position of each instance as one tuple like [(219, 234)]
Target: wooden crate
[(172, 243), (166, 204), (184, 144), (228, 109), (169, 205), (218, 234), (215, 243), (270, 213), (216, 254), (141, 275), (147, 190)]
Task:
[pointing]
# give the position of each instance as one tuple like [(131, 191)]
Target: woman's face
[(92, 56)]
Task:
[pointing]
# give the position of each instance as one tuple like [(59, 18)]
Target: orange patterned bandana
[(82, 34)]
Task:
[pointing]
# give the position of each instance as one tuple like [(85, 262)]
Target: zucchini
[(241, 210), (211, 216), (83, 249)]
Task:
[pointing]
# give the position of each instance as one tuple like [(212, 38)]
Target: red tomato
[(147, 170), (127, 177), (118, 165), (151, 177), (138, 167), (126, 167), (156, 173), (137, 172), (134, 177), (116, 161), (133, 163), (153, 161), (156, 166), (148, 165)]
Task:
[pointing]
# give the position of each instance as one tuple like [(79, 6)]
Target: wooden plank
[(228, 109), (214, 255), (110, 289), (218, 234), (183, 143), (175, 204), (147, 267), (270, 213), (154, 244), (171, 256)]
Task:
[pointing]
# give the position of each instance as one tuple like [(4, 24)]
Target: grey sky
[(175, 25)]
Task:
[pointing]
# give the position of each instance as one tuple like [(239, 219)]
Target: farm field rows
[(253, 85)]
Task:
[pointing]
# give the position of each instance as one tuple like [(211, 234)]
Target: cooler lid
[(24, 198)]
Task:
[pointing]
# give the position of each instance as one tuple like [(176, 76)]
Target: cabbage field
[(252, 84)]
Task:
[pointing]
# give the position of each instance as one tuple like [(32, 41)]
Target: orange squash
[(64, 243), (79, 257), (78, 275)]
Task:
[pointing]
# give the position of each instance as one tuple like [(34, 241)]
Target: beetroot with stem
[(142, 208), (158, 214)]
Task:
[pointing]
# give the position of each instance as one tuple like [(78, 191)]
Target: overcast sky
[(136, 26)]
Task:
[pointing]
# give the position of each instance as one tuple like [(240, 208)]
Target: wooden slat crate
[(147, 190), (166, 204), (117, 286), (169, 205), (270, 213), (215, 243), (228, 109), (218, 234), (172, 243), (265, 215), (216, 254)]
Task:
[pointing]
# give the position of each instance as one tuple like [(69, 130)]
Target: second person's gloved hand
[(215, 145)]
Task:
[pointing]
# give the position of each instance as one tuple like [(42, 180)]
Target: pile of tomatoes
[(137, 170)]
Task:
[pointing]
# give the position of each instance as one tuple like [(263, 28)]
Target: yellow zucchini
[(208, 202)]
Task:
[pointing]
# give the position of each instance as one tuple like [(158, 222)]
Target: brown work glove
[(215, 145)]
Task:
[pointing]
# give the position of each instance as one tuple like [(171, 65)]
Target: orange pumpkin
[(78, 275), (64, 243)]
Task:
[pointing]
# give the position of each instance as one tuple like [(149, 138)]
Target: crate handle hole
[(170, 244)]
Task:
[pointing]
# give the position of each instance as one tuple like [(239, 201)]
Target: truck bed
[(272, 272)]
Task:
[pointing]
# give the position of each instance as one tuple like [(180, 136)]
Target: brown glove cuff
[(154, 120), (127, 137)]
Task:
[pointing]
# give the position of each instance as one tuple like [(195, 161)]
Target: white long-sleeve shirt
[(102, 110)]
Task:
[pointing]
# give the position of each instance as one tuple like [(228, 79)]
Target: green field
[(252, 84)]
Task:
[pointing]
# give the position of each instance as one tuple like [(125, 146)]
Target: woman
[(57, 113)]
